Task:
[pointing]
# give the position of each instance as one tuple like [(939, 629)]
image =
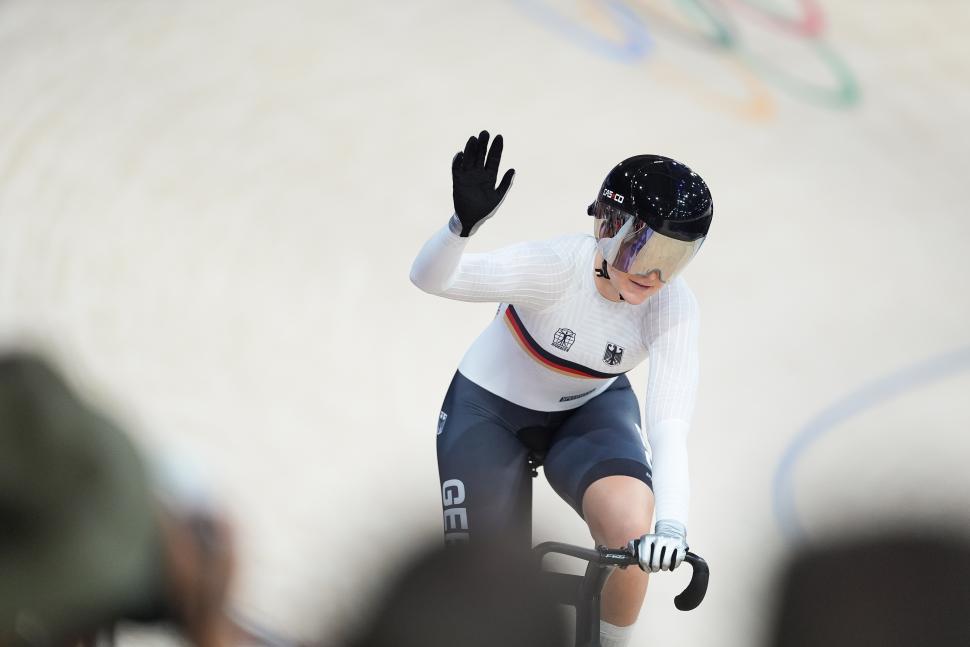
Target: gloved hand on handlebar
[(663, 550), (473, 184)]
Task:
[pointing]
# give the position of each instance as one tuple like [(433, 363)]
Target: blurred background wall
[(208, 211)]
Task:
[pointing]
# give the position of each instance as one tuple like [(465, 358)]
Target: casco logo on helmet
[(613, 196)]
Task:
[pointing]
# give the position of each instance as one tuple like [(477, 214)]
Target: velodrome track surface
[(208, 212)]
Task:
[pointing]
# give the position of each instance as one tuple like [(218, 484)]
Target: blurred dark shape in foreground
[(84, 540), (892, 590), (467, 595)]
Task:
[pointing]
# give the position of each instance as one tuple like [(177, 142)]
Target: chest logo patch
[(563, 339), (613, 355)]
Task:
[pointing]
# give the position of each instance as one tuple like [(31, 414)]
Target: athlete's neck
[(603, 284)]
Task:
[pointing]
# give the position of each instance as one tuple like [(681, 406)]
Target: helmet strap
[(601, 272)]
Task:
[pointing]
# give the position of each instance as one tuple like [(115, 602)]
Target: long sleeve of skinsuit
[(672, 331), (532, 274)]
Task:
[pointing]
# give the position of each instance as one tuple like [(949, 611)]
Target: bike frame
[(584, 592)]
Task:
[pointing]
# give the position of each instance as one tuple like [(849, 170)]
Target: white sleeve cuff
[(671, 482)]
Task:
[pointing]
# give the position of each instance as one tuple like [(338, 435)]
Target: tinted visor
[(633, 247)]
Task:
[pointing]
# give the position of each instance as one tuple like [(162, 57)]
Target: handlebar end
[(691, 597)]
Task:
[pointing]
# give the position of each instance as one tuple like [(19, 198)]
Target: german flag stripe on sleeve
[(544, 357)]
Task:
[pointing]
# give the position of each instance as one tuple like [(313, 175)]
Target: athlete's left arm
[(671, 335)]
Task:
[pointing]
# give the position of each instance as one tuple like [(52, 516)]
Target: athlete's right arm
[(533, 274)]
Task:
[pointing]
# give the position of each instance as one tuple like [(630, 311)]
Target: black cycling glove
[(473, 183)]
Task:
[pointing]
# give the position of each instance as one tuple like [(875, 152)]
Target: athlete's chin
[(636, 297), (636, 294)]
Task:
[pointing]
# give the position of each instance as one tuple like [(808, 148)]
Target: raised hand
[(473, 177)]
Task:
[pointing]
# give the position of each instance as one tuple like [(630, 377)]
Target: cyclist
[(544, 382)]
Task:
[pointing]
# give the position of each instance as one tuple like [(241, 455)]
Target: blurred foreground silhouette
[(85, 541), (891, 590), (468, 596)]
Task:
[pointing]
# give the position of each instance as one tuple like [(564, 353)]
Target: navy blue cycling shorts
[(487, 447)]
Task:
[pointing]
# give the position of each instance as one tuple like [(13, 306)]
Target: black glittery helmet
[(652, 215)]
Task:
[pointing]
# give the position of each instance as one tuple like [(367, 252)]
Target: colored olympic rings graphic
[(618, 29), (811, 24), (628, 41)]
